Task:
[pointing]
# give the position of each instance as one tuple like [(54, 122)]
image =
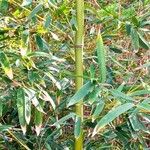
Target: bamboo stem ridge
[(79, 44)]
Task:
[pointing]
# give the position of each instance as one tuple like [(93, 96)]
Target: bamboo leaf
[(27, 107), (143, 43), (77, 128), (48, 147), (145, 23), (3, 6), (21, 109), (136, 124), (121, 86), (144, 106), (101, 56), (48, 21), (92, 72), (128, 28), (140, 92), (116, 50), (93, 95), (37, 105), (98, 110), (64, 119), (35, 11), (39, 41), (54, 80), (135, 21), (31, 94), (6, 65), (38, 119), (135, 39), (39, 54), (119, 94), (5, 127), (46, 97), (52, 4), (81, 93), (111, 115)]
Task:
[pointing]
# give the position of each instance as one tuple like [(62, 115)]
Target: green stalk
[(79, 41)]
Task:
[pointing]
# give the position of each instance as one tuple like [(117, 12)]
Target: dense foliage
[(37, 63)]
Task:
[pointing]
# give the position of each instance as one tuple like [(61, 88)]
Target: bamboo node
[(79, 46)]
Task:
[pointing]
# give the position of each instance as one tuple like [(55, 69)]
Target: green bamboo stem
[(79, 41)]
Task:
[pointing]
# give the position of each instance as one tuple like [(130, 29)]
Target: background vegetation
[(37, 63)]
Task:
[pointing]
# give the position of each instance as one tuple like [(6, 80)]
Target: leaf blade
[(35, 11), (21, 109), (101, 56), (111, 115), (81, 93), (6, 65)]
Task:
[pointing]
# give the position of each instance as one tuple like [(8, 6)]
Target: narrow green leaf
[(35, 11), (101, 56), (144, 106), (119, 94), (92, 72), (3, 6), (77, 128), (39, 54), (143, 43), (34, 76), (111, 115), (6, 65), (64, 119), (46, 97), (98, 110), (27, 108), (135, 39), (136, 124), (39, 41), (38, 119), (93, 95), (116, 50), (48, 21), (5, 127), (52, 3), (53, 80), (128, 28), (121, 86), (21, 109), (81, 93), (140, 92), (135, 21), (145, 23), (31, 95), (48, 147)]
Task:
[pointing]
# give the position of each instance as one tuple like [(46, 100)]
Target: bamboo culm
[(79, 42)]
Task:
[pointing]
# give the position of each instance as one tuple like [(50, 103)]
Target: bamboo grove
[(74, 74)]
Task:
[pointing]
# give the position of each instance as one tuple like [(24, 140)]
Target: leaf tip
[(24, 129), (94, 132), (9, 73), (38, 129)]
